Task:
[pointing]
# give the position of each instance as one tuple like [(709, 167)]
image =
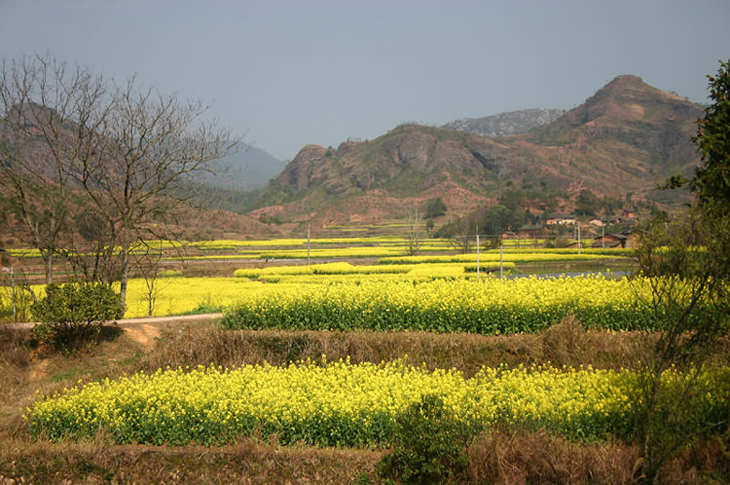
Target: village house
[(530, 231), (561, 220), (597, 222), (622, 240)]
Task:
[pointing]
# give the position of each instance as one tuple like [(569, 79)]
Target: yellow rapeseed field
[(489, 306), (340, 404)]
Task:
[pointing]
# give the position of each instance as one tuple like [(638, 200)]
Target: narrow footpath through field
[(143, 320)]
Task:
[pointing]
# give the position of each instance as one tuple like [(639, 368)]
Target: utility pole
[(12, 290), (476, 229), (501, 263), (580, 243), (12, 287), (309, 241)]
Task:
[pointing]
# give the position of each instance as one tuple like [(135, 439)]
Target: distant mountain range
[(214, 202), (250, 168), (246, 168), (620, 143)]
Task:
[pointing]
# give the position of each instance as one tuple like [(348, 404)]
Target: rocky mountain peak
[(311, 153), (509, 123), (624, 139)]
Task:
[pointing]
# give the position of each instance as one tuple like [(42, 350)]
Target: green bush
[(170, 273), (429, 444), (73, 313), (205, 308)]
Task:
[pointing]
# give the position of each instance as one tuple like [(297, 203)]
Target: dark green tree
[(73, 313), (429, 226), (711, 182), (512, 199), (587, 203), (687, 262), (435, 208), (497, 220), (428, 445)]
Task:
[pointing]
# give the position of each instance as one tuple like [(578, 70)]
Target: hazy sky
[(289, 73)]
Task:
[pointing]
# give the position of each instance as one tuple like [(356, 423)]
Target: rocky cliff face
[(298, 173), (628, 123), (626, 138), (510, 123)]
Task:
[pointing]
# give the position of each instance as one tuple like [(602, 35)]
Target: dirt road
[(143, 320)]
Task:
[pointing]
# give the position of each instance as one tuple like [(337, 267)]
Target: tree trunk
[(125, 276), (48, 260)]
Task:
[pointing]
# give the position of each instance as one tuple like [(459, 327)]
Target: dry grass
[(497, 457), (512, 459), (248, 462), (520, 458), (14, 376), (13, 352), (567, 343), (564, 344)]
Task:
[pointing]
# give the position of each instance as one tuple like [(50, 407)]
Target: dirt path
[(144, 331), (143, 320)]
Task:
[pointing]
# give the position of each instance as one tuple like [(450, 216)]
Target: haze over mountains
[(246, 168), (623, 141), (249, 167), (617, 146)]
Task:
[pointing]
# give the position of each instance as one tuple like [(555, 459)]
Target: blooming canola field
[(489, 306), (342, 404), (357, 405), (428, 297)]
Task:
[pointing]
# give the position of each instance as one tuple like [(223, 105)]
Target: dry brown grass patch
[(205, 345), (519, 458), (246, 462), (566, 343), (13, 351)]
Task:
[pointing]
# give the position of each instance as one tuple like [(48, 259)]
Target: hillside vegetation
[(620, 143)]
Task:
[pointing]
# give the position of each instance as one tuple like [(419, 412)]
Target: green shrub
[(205, 308), (73, 313), (429, 444), (170, 273)]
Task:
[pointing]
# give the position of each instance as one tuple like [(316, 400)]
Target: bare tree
[(413, 231), (147, 265), (88, 164), (46, 107), (90, 248), (151, 143), (465, 235)]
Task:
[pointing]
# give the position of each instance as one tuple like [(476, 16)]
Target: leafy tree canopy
[(712, 179)]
